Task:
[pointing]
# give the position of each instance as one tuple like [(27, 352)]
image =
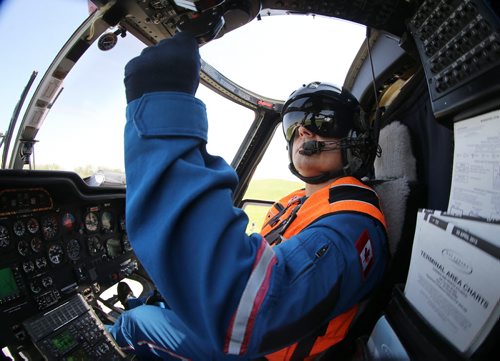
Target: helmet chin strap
[(320, 178)]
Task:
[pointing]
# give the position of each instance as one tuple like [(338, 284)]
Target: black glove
[(171, 65)]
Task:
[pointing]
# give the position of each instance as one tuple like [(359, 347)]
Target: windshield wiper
[(8, 136)]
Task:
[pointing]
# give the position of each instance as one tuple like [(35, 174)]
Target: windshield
[(283, 52), (83, 131)]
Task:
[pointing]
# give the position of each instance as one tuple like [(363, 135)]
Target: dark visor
[(321, 118)]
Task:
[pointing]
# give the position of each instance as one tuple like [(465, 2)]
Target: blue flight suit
[(229, 293)]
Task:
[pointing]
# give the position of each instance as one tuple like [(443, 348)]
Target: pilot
[(288, 293)]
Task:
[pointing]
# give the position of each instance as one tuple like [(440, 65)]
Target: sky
[(28, 44), (85, 126)]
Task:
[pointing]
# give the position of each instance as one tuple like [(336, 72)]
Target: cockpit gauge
[(91, 222), (73, 249), (41, 262), (36, 244), (95, 245), (55, 253), (68, 221), (47, 282), (4, 236), (49, 226), (35, 286), (107, 221), (19, 228), (28, 266), (113, 247), (32, 225), (23, 248), (107, 41)]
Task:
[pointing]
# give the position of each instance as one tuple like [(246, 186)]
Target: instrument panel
[(58, 237)]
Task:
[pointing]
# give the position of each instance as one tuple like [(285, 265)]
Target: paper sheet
[(453, 280), (475, 188)]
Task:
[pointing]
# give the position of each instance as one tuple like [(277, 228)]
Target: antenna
[(378, 112)]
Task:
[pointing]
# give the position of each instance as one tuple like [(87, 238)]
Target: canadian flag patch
[(365, 253)]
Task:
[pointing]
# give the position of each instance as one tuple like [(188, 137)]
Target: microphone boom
[(314, 146)]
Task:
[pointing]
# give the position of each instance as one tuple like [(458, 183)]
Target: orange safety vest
[(292, 214)]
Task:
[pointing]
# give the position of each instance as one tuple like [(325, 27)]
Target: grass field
[(266, 190)]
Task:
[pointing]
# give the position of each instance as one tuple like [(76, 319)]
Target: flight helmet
[(329, 111)]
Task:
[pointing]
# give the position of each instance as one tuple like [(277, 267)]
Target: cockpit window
[(280, 53), (83, 131)]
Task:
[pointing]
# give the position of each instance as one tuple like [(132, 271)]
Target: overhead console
[(59, 239), (459, 46), (380, 14), (153, 20)]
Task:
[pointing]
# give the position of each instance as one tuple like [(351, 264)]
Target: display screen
[(8, 286), (63, 342)]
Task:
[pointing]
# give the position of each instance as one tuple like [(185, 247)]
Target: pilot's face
[(318, 163)]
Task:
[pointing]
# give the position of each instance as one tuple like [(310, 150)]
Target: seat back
[(395, 179), (396, 185)]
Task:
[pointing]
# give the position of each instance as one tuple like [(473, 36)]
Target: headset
[(329, 111)]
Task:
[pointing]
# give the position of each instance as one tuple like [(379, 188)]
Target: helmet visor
[(321, 123), (320, 116)]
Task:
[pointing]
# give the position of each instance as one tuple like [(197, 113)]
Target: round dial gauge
[(41, 262), (47, 282), (49, 227), (32, 225), (55, 253), (91, 222), (95, 245), (73, 249), (107, 221), (19, 228), (28, 266), (4, 236), (23, 248), (113, 247), (68, 221), (107, 41), (35, 286), (36, 244)]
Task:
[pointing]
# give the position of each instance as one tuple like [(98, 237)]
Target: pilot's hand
[(171, 65)]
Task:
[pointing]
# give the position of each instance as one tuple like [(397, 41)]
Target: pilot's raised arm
[(290, 292)]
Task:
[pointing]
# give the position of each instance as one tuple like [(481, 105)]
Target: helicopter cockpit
[(425, 65)]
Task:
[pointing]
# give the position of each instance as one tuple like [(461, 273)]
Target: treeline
[(82, 171)]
